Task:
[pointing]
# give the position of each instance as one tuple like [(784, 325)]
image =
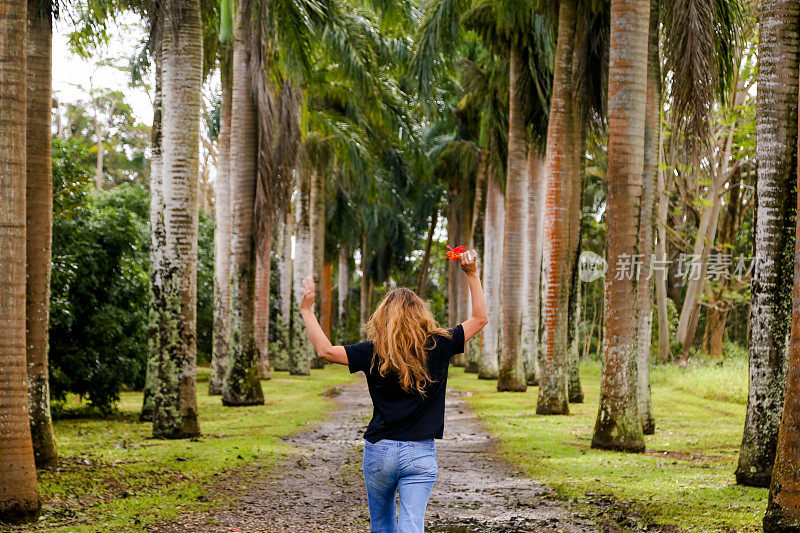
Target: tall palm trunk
[(301, 355), (343, 285), (263, 270), (364, 291), (19, 495), (242, 385), (493, 231), (512, 370), (175, 403), (157, 244), (559, 177), (783, 506), (644, 299), (222, 237), (662, 208), (533, 288), (326, 293), (317, 230), (39, 201), (280, 355), (618, 425), (776, 191), (422, 277), (574, 388)]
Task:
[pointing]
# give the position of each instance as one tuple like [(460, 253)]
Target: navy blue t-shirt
[(401, 415)]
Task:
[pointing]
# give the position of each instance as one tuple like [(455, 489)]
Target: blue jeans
[(407, 467)]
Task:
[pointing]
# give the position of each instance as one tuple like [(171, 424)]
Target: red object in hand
[(453, 253)]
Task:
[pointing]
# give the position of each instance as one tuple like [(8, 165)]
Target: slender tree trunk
[(776, 211), (242, 385), (326, 293), (422, 279), (19, 495), (222, 237), (364, 292), (560, 174), (574, 389), (281, 353), (618, 426), (644, 297), (662, 207), (512, 370), (175, 403), (263, 270), (533, 288), (343, 276), (98, 132), (301, 355), (39, 219), (157, 244), (317, 229), (783, 505), (493, 231)]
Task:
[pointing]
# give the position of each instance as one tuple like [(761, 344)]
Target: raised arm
[(323, 345), (468, 262)]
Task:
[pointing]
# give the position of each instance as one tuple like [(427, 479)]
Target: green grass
[(686, 476), (114, 477)]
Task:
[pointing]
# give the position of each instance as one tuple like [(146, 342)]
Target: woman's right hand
[(468, 261)]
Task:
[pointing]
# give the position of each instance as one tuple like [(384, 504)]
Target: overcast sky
[(70, 70)]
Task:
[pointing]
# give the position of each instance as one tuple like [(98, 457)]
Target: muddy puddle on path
[(321, 489)]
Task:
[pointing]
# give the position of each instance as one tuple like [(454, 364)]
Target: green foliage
[(98, 336)]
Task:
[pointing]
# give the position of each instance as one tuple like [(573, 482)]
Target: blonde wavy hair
[(401, 330)]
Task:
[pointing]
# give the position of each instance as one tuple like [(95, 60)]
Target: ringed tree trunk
[(473, 349), (422, 278), (317, 247), (19, 494), (364, 292), (242, 385), (662, 207), (175, 403), (263, 271), (533, 289), (326, 293), (512, 371), (157, 243), (783, 505), (301, 355), (343, 285), (776, 191), (39, 219), (644, 297), (493, 230), (618, 426), (283, 345), (574, 389), (222, 237), (553, 399)]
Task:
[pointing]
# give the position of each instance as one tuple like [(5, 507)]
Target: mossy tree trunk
[(301, 354), (282, 347), (222, 236), (560, 158), (175, 296), (263, 272), (618, 426), (242, 385), (39, 220), (776, 211)]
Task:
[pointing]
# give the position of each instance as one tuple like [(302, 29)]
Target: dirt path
[(322, 488)]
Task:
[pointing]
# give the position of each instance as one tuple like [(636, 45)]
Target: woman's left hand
[(309, 289)]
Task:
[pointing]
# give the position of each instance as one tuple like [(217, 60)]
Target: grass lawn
[(686, 476), (113, 477)]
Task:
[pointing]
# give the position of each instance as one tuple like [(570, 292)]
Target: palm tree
[(533, 288), (242, 385), (560, 174), (493, 228), (282, 347), (776, 192), (19, 495), (618, 426), (39, 217), (644, 300), (181, 48), (263, 272), (222, 234), (300, 358)]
